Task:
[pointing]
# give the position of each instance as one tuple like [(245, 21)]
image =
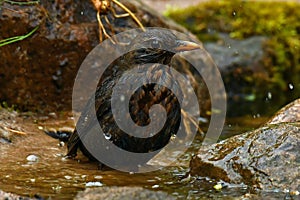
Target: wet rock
[(10, 196), (38, 73), (9, 126), (267, 158), (124, 193), (230, 54), (289, 113)]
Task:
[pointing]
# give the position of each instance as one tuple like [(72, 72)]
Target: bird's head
[(158, 46)]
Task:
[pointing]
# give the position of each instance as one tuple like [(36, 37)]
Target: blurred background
[(255, 44)]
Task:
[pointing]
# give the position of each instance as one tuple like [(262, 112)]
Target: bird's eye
[(155, 44)]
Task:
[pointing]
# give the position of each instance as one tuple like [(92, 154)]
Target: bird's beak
[(186, 46)]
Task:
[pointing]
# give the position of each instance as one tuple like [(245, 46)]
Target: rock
[(122, 193), (231, 55), (244, 76), (267, 158), (10, 196), (289, 113), (9, 126), (38, 73)]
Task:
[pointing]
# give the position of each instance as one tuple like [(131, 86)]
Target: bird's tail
[(60, 135)]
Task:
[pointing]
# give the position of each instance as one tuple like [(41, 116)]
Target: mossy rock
[(277, 21)]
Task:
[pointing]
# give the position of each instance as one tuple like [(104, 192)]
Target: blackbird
[(147, 47)]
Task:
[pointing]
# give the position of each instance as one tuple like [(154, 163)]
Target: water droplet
[(269, 95), (32, 158), (291, 86), (173, 137), (286, 190), (256, 116), (98, 177), (151, 180), (107, 136), (122, 98), (58, 72), (55, 78), (82, 13), (56, 188), (93, 184), (233, 13), (68, 177), (202, 119)]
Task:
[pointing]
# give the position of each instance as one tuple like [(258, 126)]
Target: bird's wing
[(87, 120)]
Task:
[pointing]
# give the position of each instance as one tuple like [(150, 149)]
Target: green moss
[(279, 21), (240, 18)]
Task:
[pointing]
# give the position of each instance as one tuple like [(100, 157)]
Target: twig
[(21, 2), (15, 131), (17, 38)]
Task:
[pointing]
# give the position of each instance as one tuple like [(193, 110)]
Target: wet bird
[(147, 47)]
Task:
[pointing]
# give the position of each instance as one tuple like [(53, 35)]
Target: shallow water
[(59, 178)]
